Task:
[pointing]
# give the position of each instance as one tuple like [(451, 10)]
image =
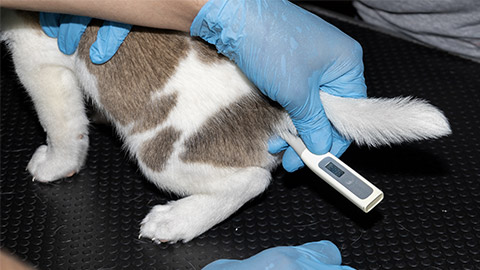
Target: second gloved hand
[(68, 29), (290, 55), (323, 255)]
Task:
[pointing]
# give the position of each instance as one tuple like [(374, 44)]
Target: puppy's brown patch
[(232, 136), (155, 113), (156, 151), (142, 65)]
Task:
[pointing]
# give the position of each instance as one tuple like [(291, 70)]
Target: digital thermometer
[(337, 174)]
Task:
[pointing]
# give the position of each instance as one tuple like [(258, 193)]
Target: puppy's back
[(165, 80)]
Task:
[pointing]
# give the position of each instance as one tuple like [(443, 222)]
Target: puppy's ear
[(381, 121)]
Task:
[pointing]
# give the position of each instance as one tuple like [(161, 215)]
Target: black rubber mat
[(429, 219)]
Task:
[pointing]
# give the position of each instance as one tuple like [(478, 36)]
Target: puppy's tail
[(382, 121)]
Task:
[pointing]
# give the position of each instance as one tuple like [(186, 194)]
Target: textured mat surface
[(430, 217)]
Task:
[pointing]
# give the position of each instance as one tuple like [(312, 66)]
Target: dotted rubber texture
[(429, 219)]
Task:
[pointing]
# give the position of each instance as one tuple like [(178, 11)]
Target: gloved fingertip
[(65, 48), (220, 264), (276, 145), (99, 61), (62, 47), (50, 31), (326, 251), (339, 147), (318, 142), (109, 39), (339, 143), (321, 245), (99, 53), (328, 243), (70, 32), (96, 57), (291, 161)]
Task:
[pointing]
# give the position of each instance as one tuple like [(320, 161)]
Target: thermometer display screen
[(334, 169)]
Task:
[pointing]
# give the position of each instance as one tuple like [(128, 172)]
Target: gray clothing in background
[(451, 25)]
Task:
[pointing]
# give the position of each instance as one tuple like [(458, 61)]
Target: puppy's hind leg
[(191, 216)]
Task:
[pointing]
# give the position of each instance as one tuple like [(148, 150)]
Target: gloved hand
[(289, 54), (68, 29), (323, 255)]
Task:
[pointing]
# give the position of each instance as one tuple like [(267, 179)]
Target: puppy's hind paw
[(167, 224)]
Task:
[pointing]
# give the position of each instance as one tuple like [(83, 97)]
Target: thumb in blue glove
[(323, 255), (68, 29)]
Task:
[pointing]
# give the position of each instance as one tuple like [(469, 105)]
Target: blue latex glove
[(323, 255), (289, 54), (68, 29)]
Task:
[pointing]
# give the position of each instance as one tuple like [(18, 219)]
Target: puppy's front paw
[(168, 223), (49, 164)]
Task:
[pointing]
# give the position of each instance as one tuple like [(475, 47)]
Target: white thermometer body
[(341, 177)]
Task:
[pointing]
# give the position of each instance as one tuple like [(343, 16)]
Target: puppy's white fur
[(53, 80)]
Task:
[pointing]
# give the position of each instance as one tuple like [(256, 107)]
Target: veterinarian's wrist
[(171, 14), (221, 23), (199, 26)]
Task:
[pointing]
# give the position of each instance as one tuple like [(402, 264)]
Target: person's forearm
[(167, 14)]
